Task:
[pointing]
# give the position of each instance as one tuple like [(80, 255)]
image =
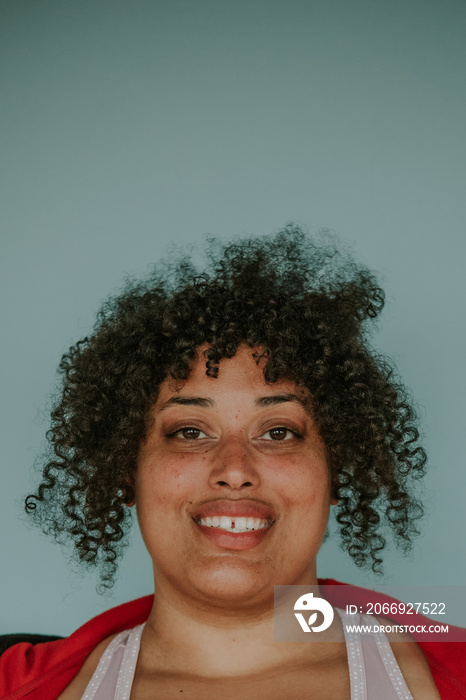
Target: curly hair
[(308, 307)]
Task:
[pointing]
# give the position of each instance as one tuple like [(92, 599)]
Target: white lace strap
[(355, 655), (114, 674), (390, 663), (128, 664)]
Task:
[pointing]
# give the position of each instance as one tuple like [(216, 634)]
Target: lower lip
[(231, 540)]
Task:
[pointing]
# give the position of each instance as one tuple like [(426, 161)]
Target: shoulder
[(412, 662), (44, 670), (75, 689), (445, 659)]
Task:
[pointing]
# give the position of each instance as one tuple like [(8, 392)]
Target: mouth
[(234, 524)]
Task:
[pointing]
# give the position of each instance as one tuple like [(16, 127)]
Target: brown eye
[(189, 433), (279, 434)]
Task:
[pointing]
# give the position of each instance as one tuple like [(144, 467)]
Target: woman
[(233, 409)]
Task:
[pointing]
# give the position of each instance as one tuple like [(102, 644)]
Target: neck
[(183, 636)]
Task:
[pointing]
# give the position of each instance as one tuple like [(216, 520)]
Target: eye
[(188, 433), (279, 433)]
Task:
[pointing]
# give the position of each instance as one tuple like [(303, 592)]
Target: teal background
[(126, 126)]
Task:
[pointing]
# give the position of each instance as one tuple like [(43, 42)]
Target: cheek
[(304, 485), (166, 483)]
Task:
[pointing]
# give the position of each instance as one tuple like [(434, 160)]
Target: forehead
[(242, 373)]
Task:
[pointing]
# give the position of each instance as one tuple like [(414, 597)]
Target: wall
[(127, 125)]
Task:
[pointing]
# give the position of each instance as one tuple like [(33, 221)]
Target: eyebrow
[(275, 399), (187, 401), (201, 402)]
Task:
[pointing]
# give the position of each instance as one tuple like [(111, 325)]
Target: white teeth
[(235, 524), (225, 523)]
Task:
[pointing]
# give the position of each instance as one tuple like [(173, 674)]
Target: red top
[(42, 671)]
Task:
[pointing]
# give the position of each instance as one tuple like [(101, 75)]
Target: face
[(232, 485)]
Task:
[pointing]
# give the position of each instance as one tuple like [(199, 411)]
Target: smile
[(234, 523)]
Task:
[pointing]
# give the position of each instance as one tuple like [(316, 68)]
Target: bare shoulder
[(412, 663), (75, 689)]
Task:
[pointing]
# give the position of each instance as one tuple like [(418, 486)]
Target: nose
[(234, 464)]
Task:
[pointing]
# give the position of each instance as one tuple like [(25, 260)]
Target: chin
[(234, 583)]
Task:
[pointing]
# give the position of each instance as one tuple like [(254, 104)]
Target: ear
[(129, 495), (335, 495)]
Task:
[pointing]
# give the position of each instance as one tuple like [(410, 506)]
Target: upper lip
[(229, 507)]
